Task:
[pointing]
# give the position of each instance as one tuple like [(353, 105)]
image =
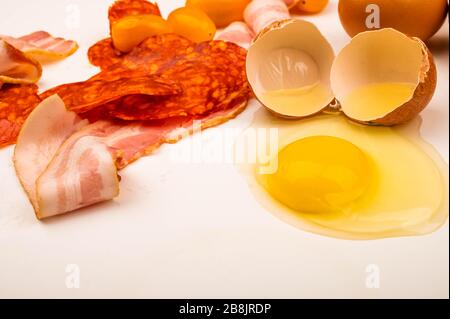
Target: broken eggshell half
[(400, 66), (293, 72), (288, 68)]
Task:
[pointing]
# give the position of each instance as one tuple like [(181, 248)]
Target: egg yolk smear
[(320, 174)]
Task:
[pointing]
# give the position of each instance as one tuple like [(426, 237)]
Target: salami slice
[(16, 103), (81, 97), (103, 54), (124, 8), (210, 74)]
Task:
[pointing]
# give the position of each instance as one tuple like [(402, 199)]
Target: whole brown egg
[(418, 18)]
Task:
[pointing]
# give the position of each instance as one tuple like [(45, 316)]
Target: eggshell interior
[(290, 39), (376, 57)]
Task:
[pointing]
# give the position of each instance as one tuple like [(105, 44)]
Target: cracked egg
[(381, 77)]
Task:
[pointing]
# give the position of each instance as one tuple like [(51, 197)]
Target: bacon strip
[(16, 67), (65, 164), (42, 45), (138, 139), (81, 174), (45, 130), (238, 33), (261, 13), (57, 184), (258, 15)]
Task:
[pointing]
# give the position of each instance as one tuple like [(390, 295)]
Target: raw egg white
[(341, 179)]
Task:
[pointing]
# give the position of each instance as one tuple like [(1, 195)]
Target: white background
[(192, 230)]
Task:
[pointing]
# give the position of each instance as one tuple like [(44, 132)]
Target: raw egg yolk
[(320, 174)]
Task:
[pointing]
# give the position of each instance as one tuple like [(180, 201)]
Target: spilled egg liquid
[(341, 179)]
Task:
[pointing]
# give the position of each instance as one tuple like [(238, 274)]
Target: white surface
[(195, 230)]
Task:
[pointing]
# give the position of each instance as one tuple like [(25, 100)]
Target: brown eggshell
[(421, 98), (416, 18)]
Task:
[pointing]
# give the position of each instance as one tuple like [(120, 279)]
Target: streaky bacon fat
[(42, 45), (237, 32), (65, 164), (261, 13), (45, 130), (81, 174), (16, 67)]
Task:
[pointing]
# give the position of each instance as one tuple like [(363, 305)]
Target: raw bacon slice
[(64, 163), (81, 174), (16, 67), (48, 126), (16, 103), (43, 46), (261, 13), (77, 180), (238, 33), (132, 140), (81, 97)]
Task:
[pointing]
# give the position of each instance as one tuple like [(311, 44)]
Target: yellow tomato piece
[(222, 12), (312, 6), (192, 23), (132, 30)]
